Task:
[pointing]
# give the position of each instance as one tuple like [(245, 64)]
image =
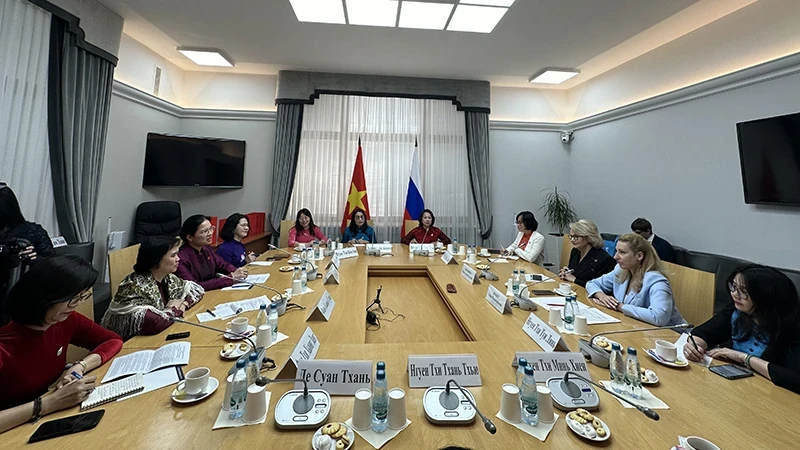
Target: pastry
[(330, 428), (596, 423), (340, 445), (601, 432), (345, 439), (588, 417), (581, 420), (581, 411), (227, 348), (243, 346), (573, 415), (341, 432)]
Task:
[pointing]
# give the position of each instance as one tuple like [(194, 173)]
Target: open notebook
[(111, 391)]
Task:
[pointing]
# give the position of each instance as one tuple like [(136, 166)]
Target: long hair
[(776, 307), (152, 250), (10, 213), (311, 225), (650, 262), (228, 230), (353, 227), (587, 228), (433, 218)]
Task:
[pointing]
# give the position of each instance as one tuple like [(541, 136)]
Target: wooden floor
[(427, 318)]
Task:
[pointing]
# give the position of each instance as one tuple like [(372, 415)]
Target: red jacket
[(202, 267), (426, 237)]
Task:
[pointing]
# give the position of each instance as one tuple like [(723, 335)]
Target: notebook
[(111, 391)]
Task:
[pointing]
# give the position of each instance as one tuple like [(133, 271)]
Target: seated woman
[(529, 244), (13, 225), (232, 251), (637, 286), (149, 297), (426, 233), (759, 330), (304, 231), (359, 232), (33, 346), (588, 258), (198, 262)]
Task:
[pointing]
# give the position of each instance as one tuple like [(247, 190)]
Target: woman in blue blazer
[(359, 232), (637, 287)]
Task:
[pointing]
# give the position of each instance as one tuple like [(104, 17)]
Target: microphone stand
[(261, 351), (574, 391), (303, 260), (262, 286), (486, 422)]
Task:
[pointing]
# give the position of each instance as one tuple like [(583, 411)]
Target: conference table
[(422, 318)]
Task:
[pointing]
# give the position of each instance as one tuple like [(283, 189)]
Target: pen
[(212, 314), (693, 342), (76, 375)]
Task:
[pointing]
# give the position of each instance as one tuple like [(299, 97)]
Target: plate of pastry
[(606, 343), (286, 268), (333, 436), (482, 266), (648, 376), (588, 426), (233, 350), (677, 363)]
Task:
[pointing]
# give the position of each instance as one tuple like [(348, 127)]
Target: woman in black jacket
[(588, 259), (760, 329), (14, 226)]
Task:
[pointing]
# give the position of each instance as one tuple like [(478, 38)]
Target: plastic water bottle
[(316, 250), (570, 309), (379, 366), (380, 402), (304, 278), (522, 280), (261, 318), (252, 368), (296, 274), (616, 365), (530, 399), (470, 252), (515, 282), (522, 363), (633, 378), (238, 391), (272, 320)]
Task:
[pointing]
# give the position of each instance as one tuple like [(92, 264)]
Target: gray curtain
[(287, 147), (478, 156), (79, 100)]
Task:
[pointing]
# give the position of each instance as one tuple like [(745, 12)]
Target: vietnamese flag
[(357, 193)]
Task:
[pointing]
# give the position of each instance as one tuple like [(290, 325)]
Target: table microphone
[(486, 422), (574, 391), (262, 286), (302, 404), (261, 351)]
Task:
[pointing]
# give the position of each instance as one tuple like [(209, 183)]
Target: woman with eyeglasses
[(152, 295), (359, 232), (304, 230), (529, 244), (236, 228), (33, 346), (587, 259), (759, 330), (426, 233), (199, 262)]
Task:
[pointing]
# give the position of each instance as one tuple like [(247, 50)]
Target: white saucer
[(648, 382), (213, 384), (350, 435), (563, 294), (294, 261), (251, 330), (654, 356), (236, 353)]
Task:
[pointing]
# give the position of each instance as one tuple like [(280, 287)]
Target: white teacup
[(196, 381), (698, 443), (666, 350), (237, 325), (565, 288)]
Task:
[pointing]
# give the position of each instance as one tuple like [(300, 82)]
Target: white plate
[(654, 356), (213, 384), (294, 261), (251, 330), (575, 426), (610, 344), (350, 434), (648, 382), (565, 295), (236, 353)]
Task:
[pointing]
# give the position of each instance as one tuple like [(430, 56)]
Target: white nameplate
[(381, 248), (417, 247), (323, 309), (469, 274), (333, 262), (306, 348), (497, 299), (435, 370), (349, 252), (448, 258), (549, 365), (541, 333), (58, 241), (337, 377), (331, 275)]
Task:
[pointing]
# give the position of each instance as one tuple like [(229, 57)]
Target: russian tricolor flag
[(414, 202)]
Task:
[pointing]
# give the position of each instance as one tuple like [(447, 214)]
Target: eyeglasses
[(740, 291), (207, 231), (574, 237), (80, 298)]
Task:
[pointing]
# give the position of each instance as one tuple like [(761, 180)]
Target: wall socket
[(157, 82)]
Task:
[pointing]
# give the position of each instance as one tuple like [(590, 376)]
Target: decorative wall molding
[(525, 126)]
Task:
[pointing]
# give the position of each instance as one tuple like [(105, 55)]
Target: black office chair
[(160, 218), (83, 250)]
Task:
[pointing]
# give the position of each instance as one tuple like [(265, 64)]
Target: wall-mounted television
[(769, 151), (173, 160)]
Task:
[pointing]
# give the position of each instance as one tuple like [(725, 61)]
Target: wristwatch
[(82, 363)]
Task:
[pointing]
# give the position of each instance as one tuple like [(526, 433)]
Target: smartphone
[(173, 336), (542, 292), (537, 277), (67, 425), (731, 371)]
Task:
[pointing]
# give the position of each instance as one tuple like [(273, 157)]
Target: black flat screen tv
[(769, 152), (173, 160)]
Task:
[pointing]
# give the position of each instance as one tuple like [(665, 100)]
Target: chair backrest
[(566, 248), (83, 250), (410, 225), (286, 225), (120, 265), (693, 291), (159, 218)]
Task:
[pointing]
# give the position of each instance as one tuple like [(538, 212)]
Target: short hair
[(311, 225), (227, 231), (151, 251), (10, 213), (433, 218), (529, 220), (641, 224), (587, 228), (353, 227), (52, 280), (191, 225)]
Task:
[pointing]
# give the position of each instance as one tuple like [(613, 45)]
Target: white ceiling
[(263, 36)]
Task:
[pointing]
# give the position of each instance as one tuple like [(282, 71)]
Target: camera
[(566, 136), (11, 248)]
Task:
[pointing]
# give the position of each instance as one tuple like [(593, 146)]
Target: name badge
[(332, 275), (435, 370), (334, 261), (469, 274), (448, 258), (498, 300), (549, 365), (349, 252), (306, 348), (338, 377), (323, 309), (541, 333)]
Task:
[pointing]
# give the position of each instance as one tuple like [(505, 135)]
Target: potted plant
[(558, 210)]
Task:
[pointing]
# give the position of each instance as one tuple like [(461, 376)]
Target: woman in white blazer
[(529, 244)]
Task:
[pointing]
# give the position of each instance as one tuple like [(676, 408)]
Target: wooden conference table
[(740, 414)]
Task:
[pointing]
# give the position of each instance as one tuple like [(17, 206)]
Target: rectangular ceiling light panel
[(207, 57), (553, 76), (319, 11), (376, 13), (425, 16), (506, 3), (475, 19)]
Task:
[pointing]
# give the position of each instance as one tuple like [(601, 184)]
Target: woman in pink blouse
[(304, 230)]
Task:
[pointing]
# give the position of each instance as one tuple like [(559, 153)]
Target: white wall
[(679, 167), (102, 27)]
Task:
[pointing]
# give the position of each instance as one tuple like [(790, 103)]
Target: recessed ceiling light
[(426, 16), (376, 13), (476, 19), (207, 56), (488, 2), (553, 76), (319, 11)]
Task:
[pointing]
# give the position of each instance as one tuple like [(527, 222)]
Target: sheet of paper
[(221, 312), (681, 342), (359, 245), (137, 362), (498, 261), (249, 304), (175, 354), (260, 278), (205, 317), (547, 301), (648, 399), (157, 380), (594, 316), (261, 263), (237, 287)]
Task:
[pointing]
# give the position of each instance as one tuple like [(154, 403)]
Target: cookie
[(601, 432), (331, 428), (596, 423), (341, 432), (573, 415), (243, 346), (340, 445), (588, 417), (345, 439), (581, 411), (227, 348), (581, 420)]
